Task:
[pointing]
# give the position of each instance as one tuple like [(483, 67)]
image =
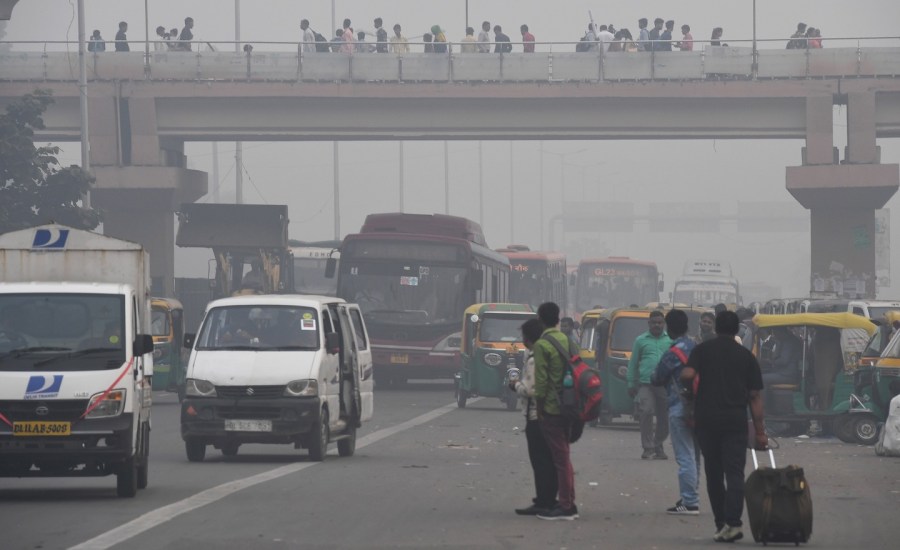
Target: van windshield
[(260, 328)]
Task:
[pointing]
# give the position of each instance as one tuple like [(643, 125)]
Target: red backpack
[(581, 399)]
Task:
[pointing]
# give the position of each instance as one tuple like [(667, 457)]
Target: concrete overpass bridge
[(143, 109)]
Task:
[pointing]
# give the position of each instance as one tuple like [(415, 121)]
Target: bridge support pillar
[(138, 204), (842, 200)]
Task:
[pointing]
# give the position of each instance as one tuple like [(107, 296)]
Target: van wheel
[(230, 449), (865, 430), (347, 446), (127, 479), (195, 450), (143, 471), (318, 439)]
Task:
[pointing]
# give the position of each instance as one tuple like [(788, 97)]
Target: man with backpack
[(549, 367), (687, 453), (309, 37)]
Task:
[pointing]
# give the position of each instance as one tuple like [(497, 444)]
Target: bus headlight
[(199, 388), (493, 359), (302, 388), (110, 405)]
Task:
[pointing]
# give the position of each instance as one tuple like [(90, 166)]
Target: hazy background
[(300, 174)]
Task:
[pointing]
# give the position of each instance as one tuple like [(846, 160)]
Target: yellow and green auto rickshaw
[(167, 328), (884, 376), (879, 341), (592, 322), (492, 352), (616, 332), (822, 373)]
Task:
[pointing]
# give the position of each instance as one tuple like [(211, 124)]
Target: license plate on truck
[(42, 428), (248, 425), (399, 358)]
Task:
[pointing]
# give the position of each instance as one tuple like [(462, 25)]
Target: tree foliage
[(34, 189)]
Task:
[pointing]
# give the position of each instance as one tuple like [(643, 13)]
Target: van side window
[(326, 322), (358, 329), (859, 311)]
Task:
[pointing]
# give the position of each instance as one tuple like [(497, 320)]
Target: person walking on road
[(650, 400), (730, 380), (548, 380), (545, 482), (684, 444)]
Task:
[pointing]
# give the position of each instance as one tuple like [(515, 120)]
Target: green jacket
[(548, 370), (645, 355)]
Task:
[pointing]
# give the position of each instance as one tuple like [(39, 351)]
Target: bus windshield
[(608, 284), (705, 293), (529, 282), (404, 292)]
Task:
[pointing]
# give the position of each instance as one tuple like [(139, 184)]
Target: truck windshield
[(309, 277), (61, 332), (260, 328)]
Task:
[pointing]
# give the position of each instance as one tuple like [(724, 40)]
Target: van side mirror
[(330, 268), (189, 340), (332, 342), (143, 343)]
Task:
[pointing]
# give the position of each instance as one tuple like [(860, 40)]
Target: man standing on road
[(730, 380), (651, 400), (667, 375), (548, 379), (545, 482)]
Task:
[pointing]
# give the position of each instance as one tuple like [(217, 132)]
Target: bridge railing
[(707, 62)]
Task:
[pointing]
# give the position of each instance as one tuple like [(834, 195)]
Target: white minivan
[(277, 369)]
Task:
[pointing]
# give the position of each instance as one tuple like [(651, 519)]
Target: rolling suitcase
[(779, 504)]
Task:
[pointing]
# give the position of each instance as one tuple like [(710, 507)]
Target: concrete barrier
[(727, 60), (222, 66), (782, 63), (22, 66), (578, 67), (116, 66), (327, 67), (174, 66), (525, 67), (678, 65), (476, 67), (425, 67), (279, 66), (627, 66), (375, 67), (879, 62)]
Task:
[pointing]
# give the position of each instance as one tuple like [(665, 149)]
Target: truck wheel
[(196, 451), (865, 429), (127, 479), (230, 449), (346, 447), (461, 396), (318, 439), (143, 470)]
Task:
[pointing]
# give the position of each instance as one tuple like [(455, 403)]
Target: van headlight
[(103, 406), (450, 343), (302, 388), (199, 388), (493, 359)]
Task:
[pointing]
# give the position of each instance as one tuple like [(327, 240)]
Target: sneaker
[(648, 453), (559, 513), (681, 510), (728, 533), (532, 510), (660, 455)]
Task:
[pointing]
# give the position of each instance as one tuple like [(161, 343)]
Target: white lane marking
[(170, 511)]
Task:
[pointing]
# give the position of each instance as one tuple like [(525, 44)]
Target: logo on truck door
[(54, 239), (43, 387)]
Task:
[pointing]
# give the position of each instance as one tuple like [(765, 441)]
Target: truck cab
[(286, 369)]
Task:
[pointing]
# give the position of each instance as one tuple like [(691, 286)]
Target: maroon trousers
[(556, 431)]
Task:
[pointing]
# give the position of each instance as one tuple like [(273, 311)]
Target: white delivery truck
[(75, 356), (286, 369)]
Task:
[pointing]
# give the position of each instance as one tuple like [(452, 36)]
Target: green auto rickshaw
[(492, 352), (167, 328)]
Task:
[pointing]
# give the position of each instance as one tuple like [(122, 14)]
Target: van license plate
[(400, 358), (42, 428), (248, 425)]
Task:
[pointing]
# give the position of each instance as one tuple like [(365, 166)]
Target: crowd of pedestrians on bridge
[(491, 39)]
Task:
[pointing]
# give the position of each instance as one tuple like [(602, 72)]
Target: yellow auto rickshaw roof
[(835, 320), (891, 316), (593, 313), (169, 303), (481, 308)]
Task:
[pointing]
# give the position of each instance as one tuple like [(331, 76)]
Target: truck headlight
[(104, 406), (199, 388), (450, 343), (302, 388), (493, 359)]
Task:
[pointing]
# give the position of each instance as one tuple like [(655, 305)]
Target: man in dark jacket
[(503, 44)]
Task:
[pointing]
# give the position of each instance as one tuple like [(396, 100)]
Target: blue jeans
[(687, 455)]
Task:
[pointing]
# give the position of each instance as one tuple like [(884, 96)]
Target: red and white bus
[(413, 275), (615, 282), (536, 277)]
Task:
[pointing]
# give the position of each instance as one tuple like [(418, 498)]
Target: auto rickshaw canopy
[(834, 320)]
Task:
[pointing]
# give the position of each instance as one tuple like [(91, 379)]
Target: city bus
[(413, 275), (707, 283), (310, 261), (615, 282), (536, 277)]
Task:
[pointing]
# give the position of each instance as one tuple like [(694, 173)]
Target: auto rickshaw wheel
[(865, 429), (461, 396), (843, 427)]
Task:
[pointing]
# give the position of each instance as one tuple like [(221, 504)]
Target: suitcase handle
[(756, 462)]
